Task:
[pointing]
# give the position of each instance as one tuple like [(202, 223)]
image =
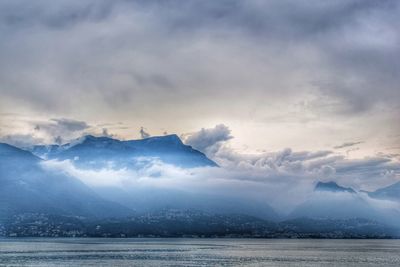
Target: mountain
[(332, 187), (332, 201), (334, 206), (90, 152), (96, 152), (143, 200), (391, 192), (193, 223), (337, 228), (26, 187)]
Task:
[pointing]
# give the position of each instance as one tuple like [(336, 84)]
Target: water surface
[(198, 252)]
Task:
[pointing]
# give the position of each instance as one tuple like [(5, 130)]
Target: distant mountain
[(30, 195), (26, 187), (391, 192), (330, 205), (193, 223), (338, 228), (332, 201), (95, 152), (90, 152), (143, 200), (332, 187)]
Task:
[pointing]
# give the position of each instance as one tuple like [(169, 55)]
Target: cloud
[(297, 72), (199, 25), (60, 125), (348, 144), (59, 130), (28, 132), (208, 140), (304, 74), (263, 62), (70, 125), (206, 181), (281, 179), (21, 140), (106, 134), (367, 173)]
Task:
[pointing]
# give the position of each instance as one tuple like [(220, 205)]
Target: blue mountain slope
[(25, 187), (332, 187), (332, 201), (91, 152), (96, 152), (391, 192), (149, 200)]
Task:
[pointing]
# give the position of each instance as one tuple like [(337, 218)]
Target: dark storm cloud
[(60, 130), (179, 65), (70, 125), (356, 43), (278, 17), (60, 14)]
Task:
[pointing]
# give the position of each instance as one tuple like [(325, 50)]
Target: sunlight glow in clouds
[(308, 75)]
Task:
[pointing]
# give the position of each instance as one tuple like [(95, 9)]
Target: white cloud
[(282, 179), (271, 66), (21, 140), (209, 140)]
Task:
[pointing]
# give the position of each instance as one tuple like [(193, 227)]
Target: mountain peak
[(93, 140), (332, 187), (170, 138), (95, 151)]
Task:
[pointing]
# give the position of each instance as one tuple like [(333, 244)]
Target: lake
[(197, 252)]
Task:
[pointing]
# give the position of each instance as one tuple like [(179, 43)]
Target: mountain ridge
[(169, 149), (332, 187), (25, 186), (390, 192)]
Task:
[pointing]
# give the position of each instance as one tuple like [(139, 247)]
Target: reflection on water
[(198, 252)]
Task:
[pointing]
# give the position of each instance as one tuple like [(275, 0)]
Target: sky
[(257, 77)]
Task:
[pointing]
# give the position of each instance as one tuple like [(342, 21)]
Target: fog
[(270, 195)]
